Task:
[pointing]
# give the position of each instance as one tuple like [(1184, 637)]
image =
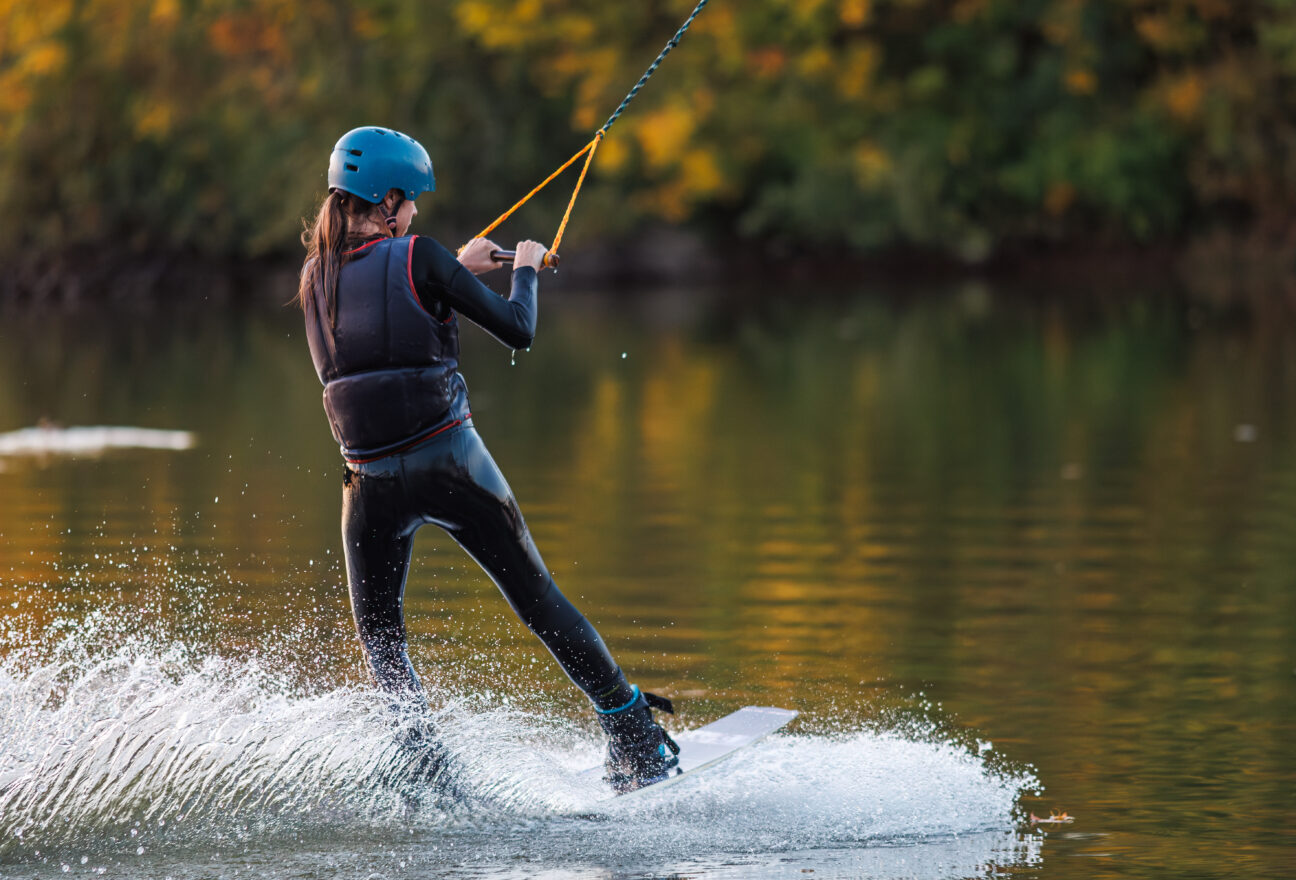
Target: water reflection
[(1066, 521)]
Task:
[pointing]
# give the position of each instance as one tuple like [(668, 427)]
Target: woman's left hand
[(476, 255)]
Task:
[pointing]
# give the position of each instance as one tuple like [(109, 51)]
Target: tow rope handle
[(551, 259)]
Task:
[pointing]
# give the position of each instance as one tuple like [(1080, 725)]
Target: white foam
[(107, 743), (90, 440)]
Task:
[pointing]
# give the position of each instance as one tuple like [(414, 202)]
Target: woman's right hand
[(530, 253), (476, 256)]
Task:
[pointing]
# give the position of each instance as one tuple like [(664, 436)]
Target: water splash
[(137, 743), (117, 746)]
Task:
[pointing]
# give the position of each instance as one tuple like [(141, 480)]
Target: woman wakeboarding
[(381, 310)]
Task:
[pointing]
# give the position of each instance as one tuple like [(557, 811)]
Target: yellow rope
[(593, 145), (588, 148)]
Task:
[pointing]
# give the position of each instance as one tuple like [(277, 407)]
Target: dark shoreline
[(1224, 270)]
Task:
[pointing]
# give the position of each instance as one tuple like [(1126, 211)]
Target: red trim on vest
[(362, 247), (409, 273), (414, 442)]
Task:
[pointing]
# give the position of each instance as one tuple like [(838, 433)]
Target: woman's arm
[(440, 277)]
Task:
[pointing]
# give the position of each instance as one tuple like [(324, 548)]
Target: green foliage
[(957, 125)]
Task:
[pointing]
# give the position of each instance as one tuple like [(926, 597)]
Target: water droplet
[(513, 358), (623, 355)]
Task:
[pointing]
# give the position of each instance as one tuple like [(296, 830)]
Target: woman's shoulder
[(433, 254), (431, 259), (428, 245), (424, 249)]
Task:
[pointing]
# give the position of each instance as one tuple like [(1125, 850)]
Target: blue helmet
[(369, 161)]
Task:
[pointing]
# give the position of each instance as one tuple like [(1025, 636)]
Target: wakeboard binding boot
[(421, 765), (639, 752)]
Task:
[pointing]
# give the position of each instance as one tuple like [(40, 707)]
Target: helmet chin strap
[(390, 218)]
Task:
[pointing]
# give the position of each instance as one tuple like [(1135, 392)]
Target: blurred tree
[(955, 125)]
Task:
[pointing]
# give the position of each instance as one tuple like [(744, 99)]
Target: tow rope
[(551, 258)]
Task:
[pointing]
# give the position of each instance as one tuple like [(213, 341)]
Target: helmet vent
[(369, 161)]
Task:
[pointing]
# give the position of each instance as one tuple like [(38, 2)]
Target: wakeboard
[(708, 745)]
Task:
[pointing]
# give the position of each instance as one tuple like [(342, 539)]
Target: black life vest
[(390, 369)]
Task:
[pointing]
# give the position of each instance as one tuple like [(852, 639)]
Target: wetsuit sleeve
[(440, 278)]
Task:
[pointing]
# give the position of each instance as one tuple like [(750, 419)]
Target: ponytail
[(324, 240)]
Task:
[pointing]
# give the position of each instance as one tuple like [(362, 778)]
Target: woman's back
[(390, 370)]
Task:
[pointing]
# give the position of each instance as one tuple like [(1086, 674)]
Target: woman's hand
[(476, 255), (530, 253)]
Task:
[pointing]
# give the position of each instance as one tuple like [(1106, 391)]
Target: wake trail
[(111, 745)]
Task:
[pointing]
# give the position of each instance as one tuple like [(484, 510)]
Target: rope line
[(571, 204), (526, 198), (652, 68), (589, 149)]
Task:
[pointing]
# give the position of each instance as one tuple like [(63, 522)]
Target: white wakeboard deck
[(716, 741)]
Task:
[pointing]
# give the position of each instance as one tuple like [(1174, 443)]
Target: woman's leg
[(472, 501), (377, 537)]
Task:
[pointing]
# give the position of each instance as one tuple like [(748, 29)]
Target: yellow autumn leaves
[(830, 122)]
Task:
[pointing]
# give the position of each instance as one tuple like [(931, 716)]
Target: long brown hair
[(324, 240)]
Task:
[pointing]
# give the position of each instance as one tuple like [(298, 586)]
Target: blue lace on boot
[(639, 752)]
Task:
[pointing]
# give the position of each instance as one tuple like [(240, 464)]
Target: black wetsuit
[(399, 409)]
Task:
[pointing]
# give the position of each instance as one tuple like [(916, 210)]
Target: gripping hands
[(482, 255)]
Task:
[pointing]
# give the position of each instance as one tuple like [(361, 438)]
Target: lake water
[(1008, 553)]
